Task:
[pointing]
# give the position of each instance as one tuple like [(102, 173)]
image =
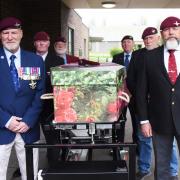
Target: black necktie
[(126, 61), (14, 73)]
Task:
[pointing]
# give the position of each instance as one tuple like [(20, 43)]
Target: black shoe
[(16, 173), (141, 176)]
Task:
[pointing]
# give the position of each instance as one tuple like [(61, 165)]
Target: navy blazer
[(25, 103), (157, 99)]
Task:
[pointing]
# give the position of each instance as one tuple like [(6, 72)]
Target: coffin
[(87, 94)]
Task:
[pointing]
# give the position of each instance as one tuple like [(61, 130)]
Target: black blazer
[(157, 99), (51, 60), (119, 58), (134, 68), (48, 108)]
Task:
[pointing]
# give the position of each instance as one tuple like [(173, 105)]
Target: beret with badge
[(170, 22), (41, 36), (10, 23), (60, 39), (149, 31), (127, 37)]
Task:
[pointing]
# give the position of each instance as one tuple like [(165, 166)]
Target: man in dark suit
[(151, 41), (42, 43), (158, 97), (123, 59), (22, 81), (60, 47)]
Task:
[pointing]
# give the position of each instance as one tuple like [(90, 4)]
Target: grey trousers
[(163, 144)]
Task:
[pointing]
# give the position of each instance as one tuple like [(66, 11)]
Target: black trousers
[(122, 119)]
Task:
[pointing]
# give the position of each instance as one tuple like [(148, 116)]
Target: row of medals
[(29, 73)]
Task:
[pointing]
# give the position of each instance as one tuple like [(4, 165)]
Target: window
[(85, 47), (71, 41)]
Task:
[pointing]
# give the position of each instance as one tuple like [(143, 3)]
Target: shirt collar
[(128, 53), (177, 49), (8, 53), (43, 56), (62, 55)]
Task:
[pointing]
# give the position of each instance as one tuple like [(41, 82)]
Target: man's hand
[(14, 123), (22, 127), (146, 129)]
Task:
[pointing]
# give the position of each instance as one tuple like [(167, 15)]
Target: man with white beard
[(151, 40), (158, 96), (22, 84), (60, 47)]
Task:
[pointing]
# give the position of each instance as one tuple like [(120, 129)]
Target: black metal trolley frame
[(116, 169)]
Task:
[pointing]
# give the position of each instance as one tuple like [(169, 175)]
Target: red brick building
[(52, 16)]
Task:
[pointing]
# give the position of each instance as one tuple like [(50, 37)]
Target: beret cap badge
[(17, 25), (176, 23)]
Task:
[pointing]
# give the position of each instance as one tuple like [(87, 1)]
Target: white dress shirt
[(43, 56), (17, 61), (129, 58)]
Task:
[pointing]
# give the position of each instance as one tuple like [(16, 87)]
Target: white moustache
[(172, 43), (60, 51)]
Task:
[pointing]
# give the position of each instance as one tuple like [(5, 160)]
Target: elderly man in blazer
[(22, 84), (151, 39), (42, 43), (124, 59), (158, 96), (60, 47)]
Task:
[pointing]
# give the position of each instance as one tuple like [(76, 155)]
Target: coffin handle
[(47, 96)]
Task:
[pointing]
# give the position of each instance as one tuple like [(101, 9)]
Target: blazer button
[(173, 103), (173, 89)]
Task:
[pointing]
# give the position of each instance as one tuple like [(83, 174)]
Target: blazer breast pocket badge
[(31, 74)]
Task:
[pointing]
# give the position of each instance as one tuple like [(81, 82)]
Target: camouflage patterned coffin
[(86, 94)]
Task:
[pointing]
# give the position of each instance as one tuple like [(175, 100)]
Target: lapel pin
[(2, 57)]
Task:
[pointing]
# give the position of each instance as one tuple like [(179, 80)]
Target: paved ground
[(43, 162)]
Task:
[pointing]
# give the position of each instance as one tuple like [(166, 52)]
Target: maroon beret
[(127, 37), (10, 22), (149, 31), (170, 22), (41, 36), (60, 39)]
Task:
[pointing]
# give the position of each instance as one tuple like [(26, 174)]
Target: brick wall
[(51, 16), (70, 18)]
